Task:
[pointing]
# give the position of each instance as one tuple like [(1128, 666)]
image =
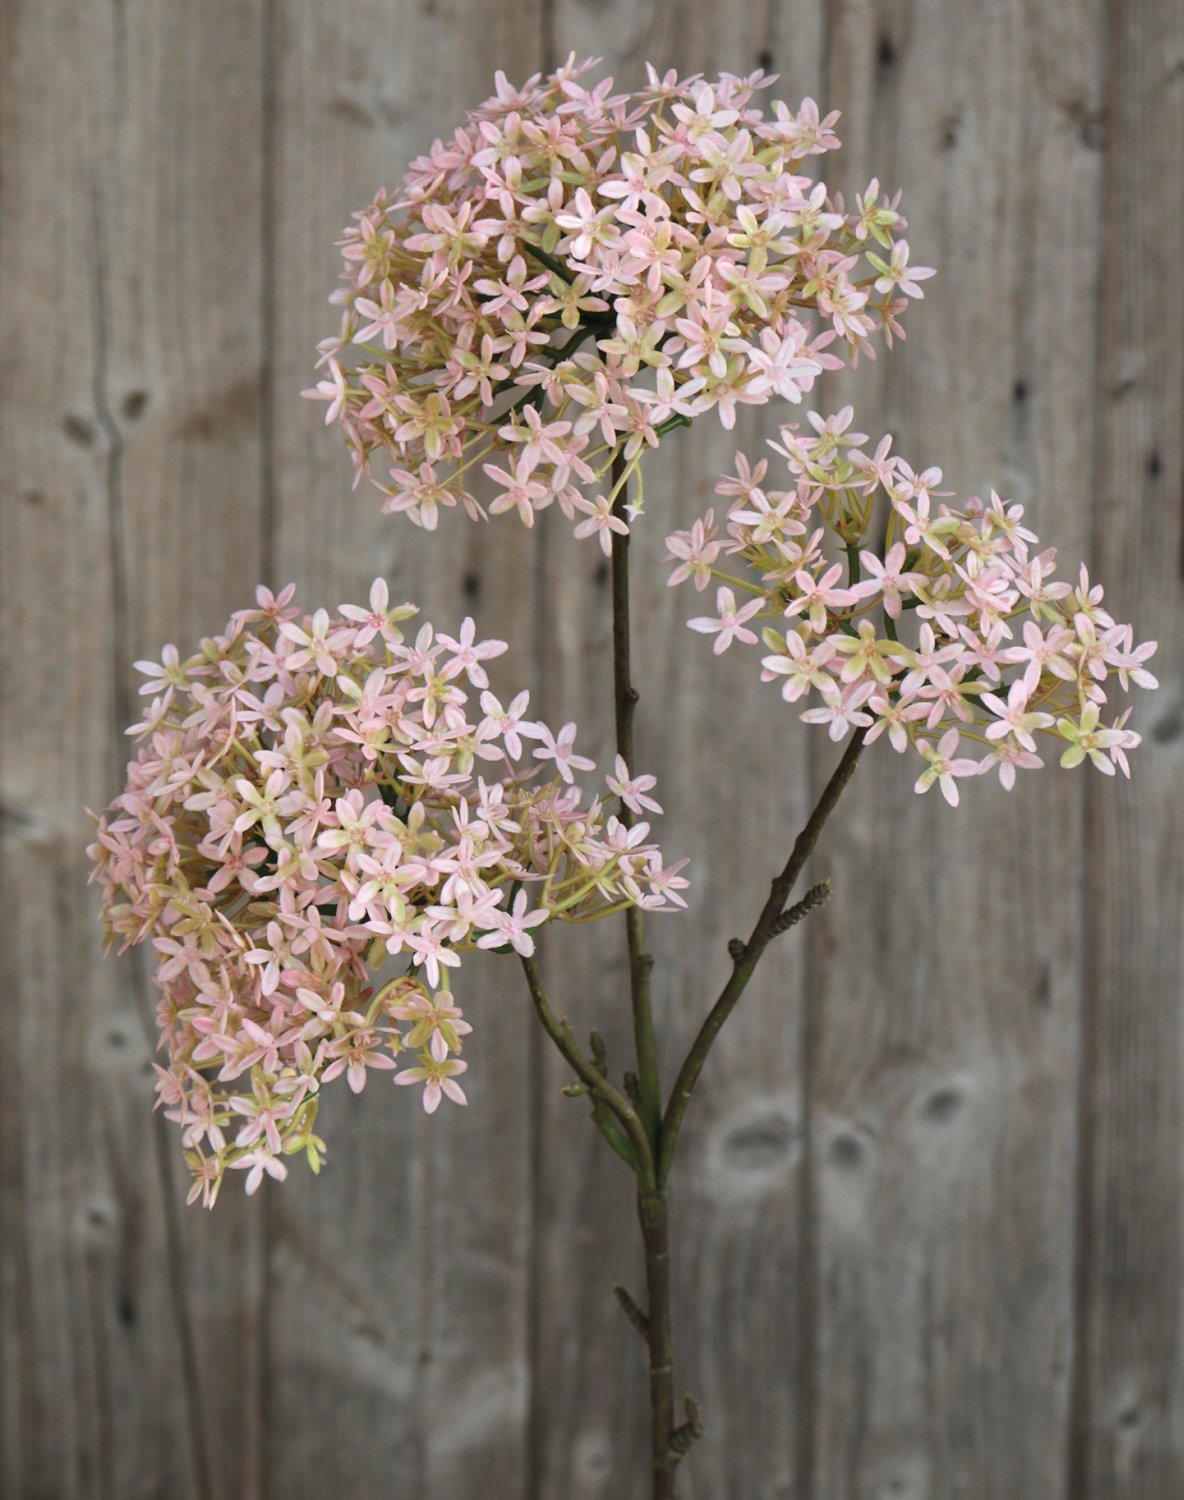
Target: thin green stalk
[(602, 1091), (556, 267)]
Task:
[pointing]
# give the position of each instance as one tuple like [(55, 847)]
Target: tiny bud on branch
[(632, 1311), (818, 895), (684, 1438)]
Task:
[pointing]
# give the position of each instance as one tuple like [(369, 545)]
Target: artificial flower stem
[(597, 1084), (625, 704), (652, 1211), (749, 954), (606, 1122), (653, 1216), (556, 267)]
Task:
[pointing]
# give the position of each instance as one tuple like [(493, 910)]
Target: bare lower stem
[(651, 1199), (655, 1232)]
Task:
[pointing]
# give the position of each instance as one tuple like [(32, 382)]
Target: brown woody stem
[(746, 958), (625, 705)]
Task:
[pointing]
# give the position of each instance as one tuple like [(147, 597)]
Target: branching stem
[(631, 1119), (745, 959), (604, 1092)]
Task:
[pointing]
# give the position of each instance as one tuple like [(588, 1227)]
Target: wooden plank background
[(929, 1232)]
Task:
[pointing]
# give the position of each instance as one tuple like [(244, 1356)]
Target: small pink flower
[(439, 1080), (334, 391), (842, 710), (508, 723), (888, 579), (897, 273), (729, 626), (560, 749), (818, 595), (695, 551), (632, 789), (468, 653), (513, 927), (1014, 717), (427, 948), (943, 767), (601, 522), (353, 1055), (258, 1162), (519, 492), (379, 619)]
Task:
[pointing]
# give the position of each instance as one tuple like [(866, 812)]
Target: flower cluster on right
[(948, 633)]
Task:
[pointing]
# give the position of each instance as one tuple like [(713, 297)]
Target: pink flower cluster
[(576, 272), (313, 798), (951, 628)]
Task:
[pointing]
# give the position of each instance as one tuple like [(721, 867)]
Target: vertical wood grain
[(1127, 1438), (946, 974), (734, 793), (398, 1278), (129, 412)]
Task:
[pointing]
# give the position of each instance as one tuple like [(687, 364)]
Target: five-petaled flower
[(728, 625)]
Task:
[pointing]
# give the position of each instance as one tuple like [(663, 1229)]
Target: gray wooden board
[(1127, 1437), (398, 1277), (737, 1190), (947, 971), (129, 407)]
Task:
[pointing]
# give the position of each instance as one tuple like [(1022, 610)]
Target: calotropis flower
[(952, 633), (575, 272), (312, 799)]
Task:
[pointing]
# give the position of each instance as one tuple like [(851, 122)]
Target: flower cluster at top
[(933, 625), (576, 272), (312, 798)]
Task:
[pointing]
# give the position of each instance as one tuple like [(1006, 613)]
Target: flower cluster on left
[(313, 799)]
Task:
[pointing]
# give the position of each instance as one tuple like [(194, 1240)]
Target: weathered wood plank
[(1128, 1433), (946, 973), (399, 1276), (131, 516), (735, 1194)]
